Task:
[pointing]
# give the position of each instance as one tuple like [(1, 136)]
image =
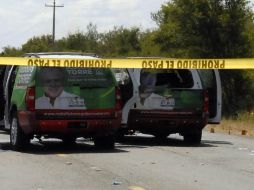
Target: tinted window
[(125, 84), (122, 76), (170, 78), (83, 77), (208, 78)]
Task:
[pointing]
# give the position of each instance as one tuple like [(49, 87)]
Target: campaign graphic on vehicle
[(166, 89), (74, 88)]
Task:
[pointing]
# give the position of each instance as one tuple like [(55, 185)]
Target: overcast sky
[(23, 19)]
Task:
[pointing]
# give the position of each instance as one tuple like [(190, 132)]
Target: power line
[(54, 17)]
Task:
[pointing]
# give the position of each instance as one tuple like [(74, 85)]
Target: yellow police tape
[(154, 63)]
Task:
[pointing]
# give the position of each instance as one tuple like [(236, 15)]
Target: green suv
[(63, 103)]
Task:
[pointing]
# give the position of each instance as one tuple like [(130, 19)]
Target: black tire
[(194, 138), (120, 135), (2, 105), (2, 100), (18, 139), (161, 136), (105, 142), (69, 140)]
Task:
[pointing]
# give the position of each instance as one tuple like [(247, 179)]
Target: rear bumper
[(150, 122), (79, 127)]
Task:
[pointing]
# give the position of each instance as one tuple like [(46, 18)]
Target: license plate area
[(167, 123), (77, 125), (168, 102)]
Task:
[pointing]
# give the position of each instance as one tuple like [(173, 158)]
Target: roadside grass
[(242, 125)]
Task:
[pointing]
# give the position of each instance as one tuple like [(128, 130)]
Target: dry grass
[(241, 126)]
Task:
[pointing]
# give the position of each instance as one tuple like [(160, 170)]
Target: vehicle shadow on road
[(4, 132), (171, 142), (57, 147), (217, 142)]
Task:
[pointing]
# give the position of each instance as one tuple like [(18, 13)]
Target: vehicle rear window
[(177, 78), (82, 77)]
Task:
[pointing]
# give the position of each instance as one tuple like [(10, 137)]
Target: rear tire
[(194, 138), (69, 141), (161, 136), (120, 135), (2, 100), (105, 142), (2, 105), (18, 139)]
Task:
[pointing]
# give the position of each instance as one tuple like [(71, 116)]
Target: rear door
[(212, 83), (129, 91), (169, 90), (74, 91), (8, 81), (2, 101)]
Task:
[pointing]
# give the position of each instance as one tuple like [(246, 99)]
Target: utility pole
[(54, 17)]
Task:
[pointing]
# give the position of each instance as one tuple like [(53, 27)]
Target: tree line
[(185, 29)]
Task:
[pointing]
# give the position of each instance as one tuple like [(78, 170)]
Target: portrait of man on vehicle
[(154, 89), (147, 84), (52, 82)]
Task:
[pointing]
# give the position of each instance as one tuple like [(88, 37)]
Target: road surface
[(139, 163)]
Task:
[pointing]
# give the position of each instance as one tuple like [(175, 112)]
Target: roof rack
[(148, 57), (59, 53)]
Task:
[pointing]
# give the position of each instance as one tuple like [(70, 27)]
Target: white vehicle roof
[(68, 55)]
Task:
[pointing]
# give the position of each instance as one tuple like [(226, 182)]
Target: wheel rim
[(14, 131)]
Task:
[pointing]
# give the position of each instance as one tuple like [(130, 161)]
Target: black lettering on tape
[(72, 63), (144, 64), (194, 64), (216, 64), (170, 64), (203, 64), (179, 64), (81, 63), (30, 62), (154, 64), (222, 65), (41, 62), (149, 64), (185, 64), (109, 65), (38, 62), (160, 65), (99, 64), (210, 64), (90, 63), (66, 63)]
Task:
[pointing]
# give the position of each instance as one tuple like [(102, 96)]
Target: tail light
[(206, 102), (118, 99), (30, 98)]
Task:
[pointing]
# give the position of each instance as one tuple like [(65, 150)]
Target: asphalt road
[(140, 163)]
